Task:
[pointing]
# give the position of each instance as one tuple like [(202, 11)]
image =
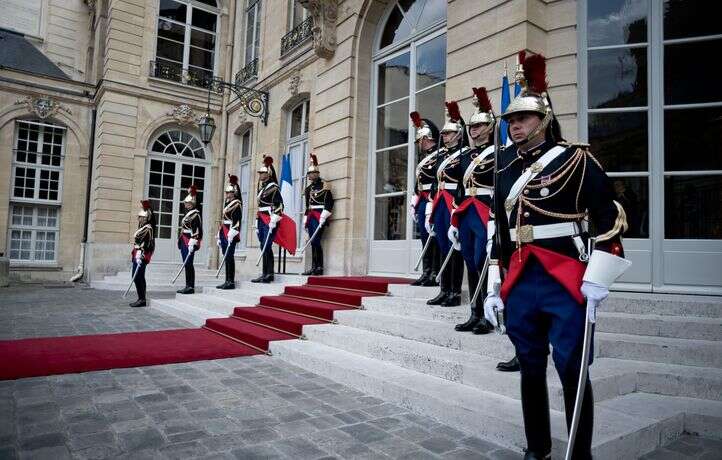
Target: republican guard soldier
[(143, 247), (469, 221), (270, 211), (189, 239), (319, 206), (426, 139), (546, 192), (229, 231)]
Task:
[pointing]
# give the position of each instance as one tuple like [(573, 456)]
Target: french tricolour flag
[(286, 236)]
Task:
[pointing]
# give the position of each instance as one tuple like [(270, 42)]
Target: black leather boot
[(190, 280), (535, 408), (224, 283), (509, 366), (230, 276), (438, 299), (452, 300), (474, 318), (138, 303), (583, 441), (434, 257), (319, 262), (483, 327), (140, 289), (260, 277), (268, 267)]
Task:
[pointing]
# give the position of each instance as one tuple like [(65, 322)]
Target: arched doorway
[(409, 73), (176, 159)]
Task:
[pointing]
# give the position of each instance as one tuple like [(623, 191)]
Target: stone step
[(151, 287), (246, 287), (687, 352), (482, 413), (192, 315), (420, 293), (664, 304)]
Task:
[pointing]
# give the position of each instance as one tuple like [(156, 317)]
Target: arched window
[(176, 142), (409, 74)]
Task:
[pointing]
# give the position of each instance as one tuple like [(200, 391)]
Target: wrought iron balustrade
[(297, 36), (249, 72), (170, 71)]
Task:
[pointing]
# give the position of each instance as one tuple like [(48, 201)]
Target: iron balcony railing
[(249, 72), (297, 36), (175, 72)]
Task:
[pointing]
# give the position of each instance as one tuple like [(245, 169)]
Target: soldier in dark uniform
[(319, 206), (449, 175), (468, 224), (230, 229), (546, 192), (270, 210), (426, 139), (189, 240), (143, 247)]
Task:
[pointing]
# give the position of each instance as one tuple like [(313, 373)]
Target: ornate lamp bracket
[(253, 101)]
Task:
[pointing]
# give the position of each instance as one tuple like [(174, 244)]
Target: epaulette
[(326, 185), (579, 145)]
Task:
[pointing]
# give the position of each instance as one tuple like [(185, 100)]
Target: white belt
[(449, 186), (426, 186), (474, 191), (188, 232), (227, 222), (316, 206), (529, 233), (264, 209)]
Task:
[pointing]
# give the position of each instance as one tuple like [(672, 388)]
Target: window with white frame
[(187, 41), (36, 191), (244, 181), (296, 14), (253, 30), (297, 147)]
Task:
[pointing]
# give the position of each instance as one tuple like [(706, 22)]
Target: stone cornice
[(325, 15)]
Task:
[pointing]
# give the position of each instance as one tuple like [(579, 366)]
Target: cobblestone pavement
[(246, 408)]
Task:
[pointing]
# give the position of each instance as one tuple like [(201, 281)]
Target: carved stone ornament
[(294, 82), (242, 116), (183, 114), (325, 14), (42, 106), (91, 5)]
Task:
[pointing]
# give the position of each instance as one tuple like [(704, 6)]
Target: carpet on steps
[(288, 322)]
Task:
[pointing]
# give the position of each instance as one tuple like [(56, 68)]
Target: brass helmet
[(191, 196), (454, 122), (232, 186), (531, 75), (424, 128), (313, 165), (145, 209), (484, 113), (267, 167)]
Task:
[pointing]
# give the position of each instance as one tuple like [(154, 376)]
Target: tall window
[(187, 40), (410, 75), (297, 146), (253, 30), (296, 14), (37, 173), (244, 181)]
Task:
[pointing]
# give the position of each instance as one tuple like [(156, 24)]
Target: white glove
[(595, 294), (274, 221), (305, 220), (192, 244), (493, 305), (324, 215), (138, 257), (412, 212), (427, 225), (232, 233), (453, 234), (414, 201)]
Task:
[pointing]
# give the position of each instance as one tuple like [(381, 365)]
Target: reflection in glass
[(618, 78), (692, 207), (684, 66), (682, 18), (693, 139), (619, 140), (431, 62), (430, 104), (396, 28), (394, 78), (434, 11), (633, 194), (296, 118), (391, 171), (616, 22), (392, 125), (390, 218)]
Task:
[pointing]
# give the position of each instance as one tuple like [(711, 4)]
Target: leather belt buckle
[(525, 234), (442, 185), (472, 191)]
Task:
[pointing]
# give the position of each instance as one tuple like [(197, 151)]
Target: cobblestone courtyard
[(251, 407)]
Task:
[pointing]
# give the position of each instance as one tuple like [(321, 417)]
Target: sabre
[(318, 229), (499, 315), (182, 267), (135, 273), (425, 248), (225, 254), (265, 244), (484, 269), (582, 379), (446, 262)]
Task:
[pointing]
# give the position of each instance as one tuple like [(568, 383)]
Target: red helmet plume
[(314, 160), (535, 73), (416, 119), (453, 108), (145, 204), (267, 160), (232, 179), (483, 99), (192, 190)]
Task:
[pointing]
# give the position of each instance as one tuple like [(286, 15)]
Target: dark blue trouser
[(262, 232), (472, 237), (139, 279), (312, 225), (189, 268), (441, 222), (453, 274), (224, 245)]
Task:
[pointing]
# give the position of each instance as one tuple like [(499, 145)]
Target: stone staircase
[(657, 371)]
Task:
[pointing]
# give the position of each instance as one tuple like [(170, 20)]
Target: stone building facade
[(341, 77)]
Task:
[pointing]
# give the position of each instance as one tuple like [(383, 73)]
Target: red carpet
[(248, 331), (64, 355)]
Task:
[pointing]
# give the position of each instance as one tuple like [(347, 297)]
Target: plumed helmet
[(312, 165), (145, 209), (425, 128), (191, 196), (484, 113), (267, 167), (232, 186), (454, 122)]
